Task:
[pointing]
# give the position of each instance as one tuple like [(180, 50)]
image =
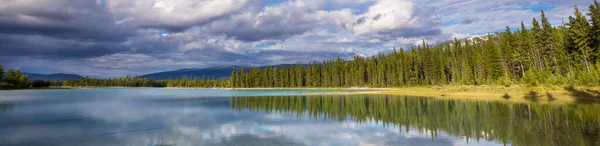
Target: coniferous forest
[(543, 54), (145, 82)]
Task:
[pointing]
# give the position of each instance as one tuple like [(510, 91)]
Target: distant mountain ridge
[(217, 72), (52, 77)]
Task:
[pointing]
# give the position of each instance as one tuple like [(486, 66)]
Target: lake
[(161, 116)]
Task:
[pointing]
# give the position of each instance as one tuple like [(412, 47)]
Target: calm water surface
[(157, 116)]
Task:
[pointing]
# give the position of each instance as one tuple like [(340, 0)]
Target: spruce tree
[(23, 81), (525, 49), (509, 57), (299, 75), (579, 34), (233, 79), (11, 77), (595, 29), (547, 44), (1, 73), (536, 43)]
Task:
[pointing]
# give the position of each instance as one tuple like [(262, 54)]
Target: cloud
[(277, 22), (395, 18), (59, 30), (174, 15), (65, 19), (55, 48), (491, 16)]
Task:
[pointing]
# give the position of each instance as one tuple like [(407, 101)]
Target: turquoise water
[(159, 116)]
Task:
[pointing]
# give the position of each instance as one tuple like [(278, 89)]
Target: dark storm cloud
[(36, 45), (59, 29), (65, 19)]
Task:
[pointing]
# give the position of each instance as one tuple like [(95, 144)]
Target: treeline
[(146, 82), (121, 82), (542, 54), (508, 123), (197, 82), (13, 79)]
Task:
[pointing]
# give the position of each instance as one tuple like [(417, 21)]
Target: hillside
[(219, 72), (51, 77)]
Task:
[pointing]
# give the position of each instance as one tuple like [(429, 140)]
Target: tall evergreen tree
[(579, 34), (547, 44), (233, 79), (536, 43), (510, 57), (11, 77), (595, 29), (1, 73)]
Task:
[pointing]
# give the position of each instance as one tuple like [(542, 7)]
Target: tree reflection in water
[(6, 107), (508, 123)]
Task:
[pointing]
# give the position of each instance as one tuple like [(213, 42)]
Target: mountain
[(218, 72), (50, 77)]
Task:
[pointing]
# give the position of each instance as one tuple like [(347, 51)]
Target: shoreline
[(538, 94), (314, 88)]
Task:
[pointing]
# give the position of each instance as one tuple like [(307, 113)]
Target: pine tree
[(233, 79), (1, 73), (23, 81), (11, 77), (299, 75), (579, 34), (547, 43), (595, 29), (563, 44), (536, 42), (525, 49), (509, 57)]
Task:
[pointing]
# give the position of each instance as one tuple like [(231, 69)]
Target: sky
[(115, 38)]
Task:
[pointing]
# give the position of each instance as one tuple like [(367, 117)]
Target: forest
[(146, 82), (507, 123), (543, 54)]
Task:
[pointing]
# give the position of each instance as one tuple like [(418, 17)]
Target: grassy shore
[(320, 88), (543, 94)]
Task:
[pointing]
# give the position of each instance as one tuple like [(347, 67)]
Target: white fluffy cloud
[(386, 15)]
